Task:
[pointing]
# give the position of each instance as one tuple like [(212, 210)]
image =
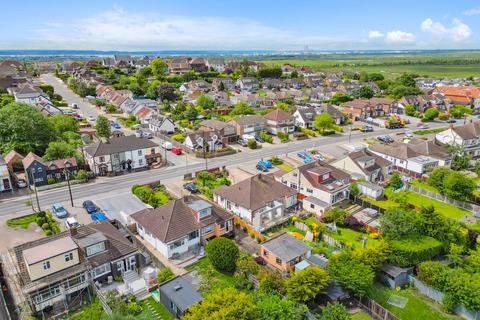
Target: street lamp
[(66, 172)]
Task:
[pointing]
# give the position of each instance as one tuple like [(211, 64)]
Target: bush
[(51, 180), (164, 275), (409, 252), (81, 175), (222, 254), (252, 144), (110, 108), (180, 137), (276, 161), (308, 131), (430, 114), (266, 137), (282, 136)]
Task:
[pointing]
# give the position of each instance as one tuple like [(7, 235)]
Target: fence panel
[(375, 310)]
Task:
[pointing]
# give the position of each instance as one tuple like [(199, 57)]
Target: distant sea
[(206, 53)]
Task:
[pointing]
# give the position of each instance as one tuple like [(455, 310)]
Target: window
[(120, 265), (177, 244), (152, 151), (139, 152), (295, 174), (140, 162), (309, 190), (278, 261), (96, 248), (39, 169), (68, 256), (222, 225), (101, 270), (312, 206), (293, 185), (207, 229), (193, 235), (46, 265), (102, 159), (265, 253), (204, 213)]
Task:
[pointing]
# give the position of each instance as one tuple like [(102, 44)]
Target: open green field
[(446, 64)]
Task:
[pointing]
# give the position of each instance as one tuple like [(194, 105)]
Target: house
[(178, 67), (272, 83), (395, 277), (414, 158), (329, 185), (279, 121), (145, 114), (305, 115), (259, 200), (365, 164), (198, 65), (121, 154), (252, 99), (196, 85), (46, 107), (38, 171), (284, 252), (223, 84), (209, 141), (248, 125), (295, 83), (466, 136), (163, 124), (177, 295), (226, 132), (217, 64), (5, 180), (370, 108), (460, 94), (52, 270), (28, 93), (181, 226), (13, 159), (247, 84)]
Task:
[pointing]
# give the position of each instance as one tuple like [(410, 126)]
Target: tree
[(458, 186), (191, 113), (6, 99), (461, 161), (274, 72), (477, 168), (437, 177), (334, 311), (205, 101), (273, 307), (103, 127), (24, 128), (363, 92), (372, 256), (430, 114), (48, 89), (165, 274), (352, 274), (306, 284), (246, 264), (459, 111), (158, 67), (62, 124), (398, 223), (241, 108), (59, 150), (433, 224), (226, 304), (410, 110), (323, 122), (354, 190), (336, 214), (398, 91), (222, 254), (272, 282), (166, 92), (339, 98), (395, 181)]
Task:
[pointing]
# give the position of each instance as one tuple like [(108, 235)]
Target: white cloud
[(119, 29), (372, 34), (472, 12), (399, 37), (459, 31)]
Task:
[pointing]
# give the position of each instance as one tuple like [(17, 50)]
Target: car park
[(190, 186), (71, 223), (21, 183), (59, 211), (89, 206)]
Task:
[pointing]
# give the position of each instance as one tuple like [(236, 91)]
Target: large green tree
[(205, 101), (306, 284), (59, 150), (103, 127), (323, 122), (363, 92), (398, 223), (62, 124), (226, 304), (273, 307), (158, 67), (335, 311), (24, 128), (458, 186), (222, 254)]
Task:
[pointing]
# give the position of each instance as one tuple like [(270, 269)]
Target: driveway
[(120, 206)]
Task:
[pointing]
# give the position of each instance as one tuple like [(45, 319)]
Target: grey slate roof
[(119, 144), (286, 247), (180, 292)]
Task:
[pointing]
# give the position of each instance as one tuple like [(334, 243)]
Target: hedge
[(408, 252)]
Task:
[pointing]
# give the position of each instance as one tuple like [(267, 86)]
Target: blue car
[(59, 211), (89, 206), (98, 216), (115, 125)]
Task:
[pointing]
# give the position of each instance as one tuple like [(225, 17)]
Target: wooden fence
[(375, 310)]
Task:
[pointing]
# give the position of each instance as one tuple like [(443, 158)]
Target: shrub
[(81, 175), (430, 114), (48, 233), (180, 137), (408, 252), (308, 132), (266, 137), (275, 160), (45, 226), (164, 275), (222, 254), (51, 180), (110, 108), (252, 144), (282, 136)]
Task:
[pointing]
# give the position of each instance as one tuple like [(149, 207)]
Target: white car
[(167, 145), (91, 118), (71, 223)]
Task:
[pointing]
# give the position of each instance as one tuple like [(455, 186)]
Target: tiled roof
[(120, 144), (278, 115)]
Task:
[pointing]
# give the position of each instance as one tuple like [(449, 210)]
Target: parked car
[(318, 156), (139, 134), (89, 206), (59, 211), (242, 142), (366, 129), (451, 121), (71, 223), (98, 216), (385, 139), (266, 163), (136, 127), (408, 135), (190, 186), (21, 183), (177, 150), (147, 135), (261, 167), (422, 125), (116, 125), (167, 145), (259, 139), (91, 118)]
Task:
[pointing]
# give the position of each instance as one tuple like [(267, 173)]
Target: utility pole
[(350, 133), (35, 189), (67, 175)]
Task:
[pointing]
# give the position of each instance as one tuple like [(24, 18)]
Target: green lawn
[(22, 222), (361, 315), (284, 166), (427, 131), (423, 185), (352, 237), (417, 307), (157, 309), (222, 280)]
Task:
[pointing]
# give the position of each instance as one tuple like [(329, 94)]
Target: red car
[(177, 150)]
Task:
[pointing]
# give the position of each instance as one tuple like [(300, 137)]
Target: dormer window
[(96, 248), (68, 257), (46, 265)]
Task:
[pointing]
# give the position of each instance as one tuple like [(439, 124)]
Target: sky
[(142, 25)]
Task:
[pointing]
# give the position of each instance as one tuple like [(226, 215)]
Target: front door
[(6, 184)]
